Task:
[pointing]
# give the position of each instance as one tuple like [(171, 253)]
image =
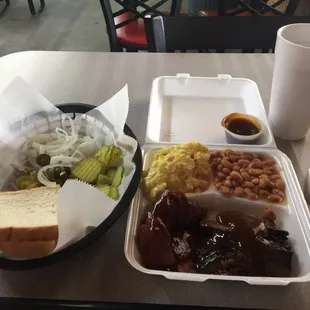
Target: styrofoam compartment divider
[(293, 217), (184, 108)]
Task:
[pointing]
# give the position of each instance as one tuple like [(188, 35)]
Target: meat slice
[(214, 252), (176, 212), (155, 244), (228, 220), (181, 247), (232, 243), (278, 257)]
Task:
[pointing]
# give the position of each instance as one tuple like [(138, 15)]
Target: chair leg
[(175, 9), (131, 50), (248, 50), (31, 7), (42, 6), (4, 9)]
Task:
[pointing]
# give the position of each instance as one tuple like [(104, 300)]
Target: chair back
[(261, 7), (292, 7), (129, 12), (169, 34), (253, 7)]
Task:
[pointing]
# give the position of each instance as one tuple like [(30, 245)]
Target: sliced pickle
[(21, 180), (110, 191), (117, 180), (109, 155), (104, 155), (33, 184), (25, 172), (111, 173), (104, 188), (87, 170), (104, 180), (34, 175), (114, 194), (103, 169), (116, 155)]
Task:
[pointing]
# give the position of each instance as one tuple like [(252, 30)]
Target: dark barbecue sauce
[(179, 236), (242, 126)]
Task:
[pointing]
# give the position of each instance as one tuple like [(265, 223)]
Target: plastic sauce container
[(242, 128)]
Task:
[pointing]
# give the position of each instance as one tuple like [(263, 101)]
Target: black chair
[(125, 27), (260, 7), (251, 7), (7, 3), (169, 34), (32, 8), (30, 4)]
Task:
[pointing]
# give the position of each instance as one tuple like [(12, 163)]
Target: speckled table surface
[(101, 272)]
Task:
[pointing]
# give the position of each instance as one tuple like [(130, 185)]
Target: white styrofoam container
[(292, 216), (184, 108)]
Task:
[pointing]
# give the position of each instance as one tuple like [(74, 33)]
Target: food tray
[(183, 108), (74, 110), (292, 216)]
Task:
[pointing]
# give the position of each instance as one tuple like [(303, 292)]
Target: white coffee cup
[(289, 112)]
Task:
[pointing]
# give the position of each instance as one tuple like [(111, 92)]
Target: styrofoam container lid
[(185, 108)]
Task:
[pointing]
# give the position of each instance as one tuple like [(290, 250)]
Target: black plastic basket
[(122, 206)]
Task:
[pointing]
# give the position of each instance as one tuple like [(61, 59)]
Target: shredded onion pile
[(65, 145)]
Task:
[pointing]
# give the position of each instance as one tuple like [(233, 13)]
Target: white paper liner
[(24, 112)]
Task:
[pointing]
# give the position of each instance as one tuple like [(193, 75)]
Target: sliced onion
[(78, 154), (62, 133), (88, 148), (56, 142), (72, 125), (32, 155), (26, 146), (66, 160), (42, 138), (63, 148), (54, 145), (65, 144)]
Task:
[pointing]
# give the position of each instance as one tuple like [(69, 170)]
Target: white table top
[(101, 272)]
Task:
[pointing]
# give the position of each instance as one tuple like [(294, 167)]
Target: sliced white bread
[(29, 215)]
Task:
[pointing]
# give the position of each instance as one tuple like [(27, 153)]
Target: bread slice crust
[(27, 249)]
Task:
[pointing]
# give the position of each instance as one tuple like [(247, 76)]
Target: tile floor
[(76, 25)]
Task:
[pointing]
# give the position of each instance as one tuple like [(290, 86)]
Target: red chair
[(125, 27)]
